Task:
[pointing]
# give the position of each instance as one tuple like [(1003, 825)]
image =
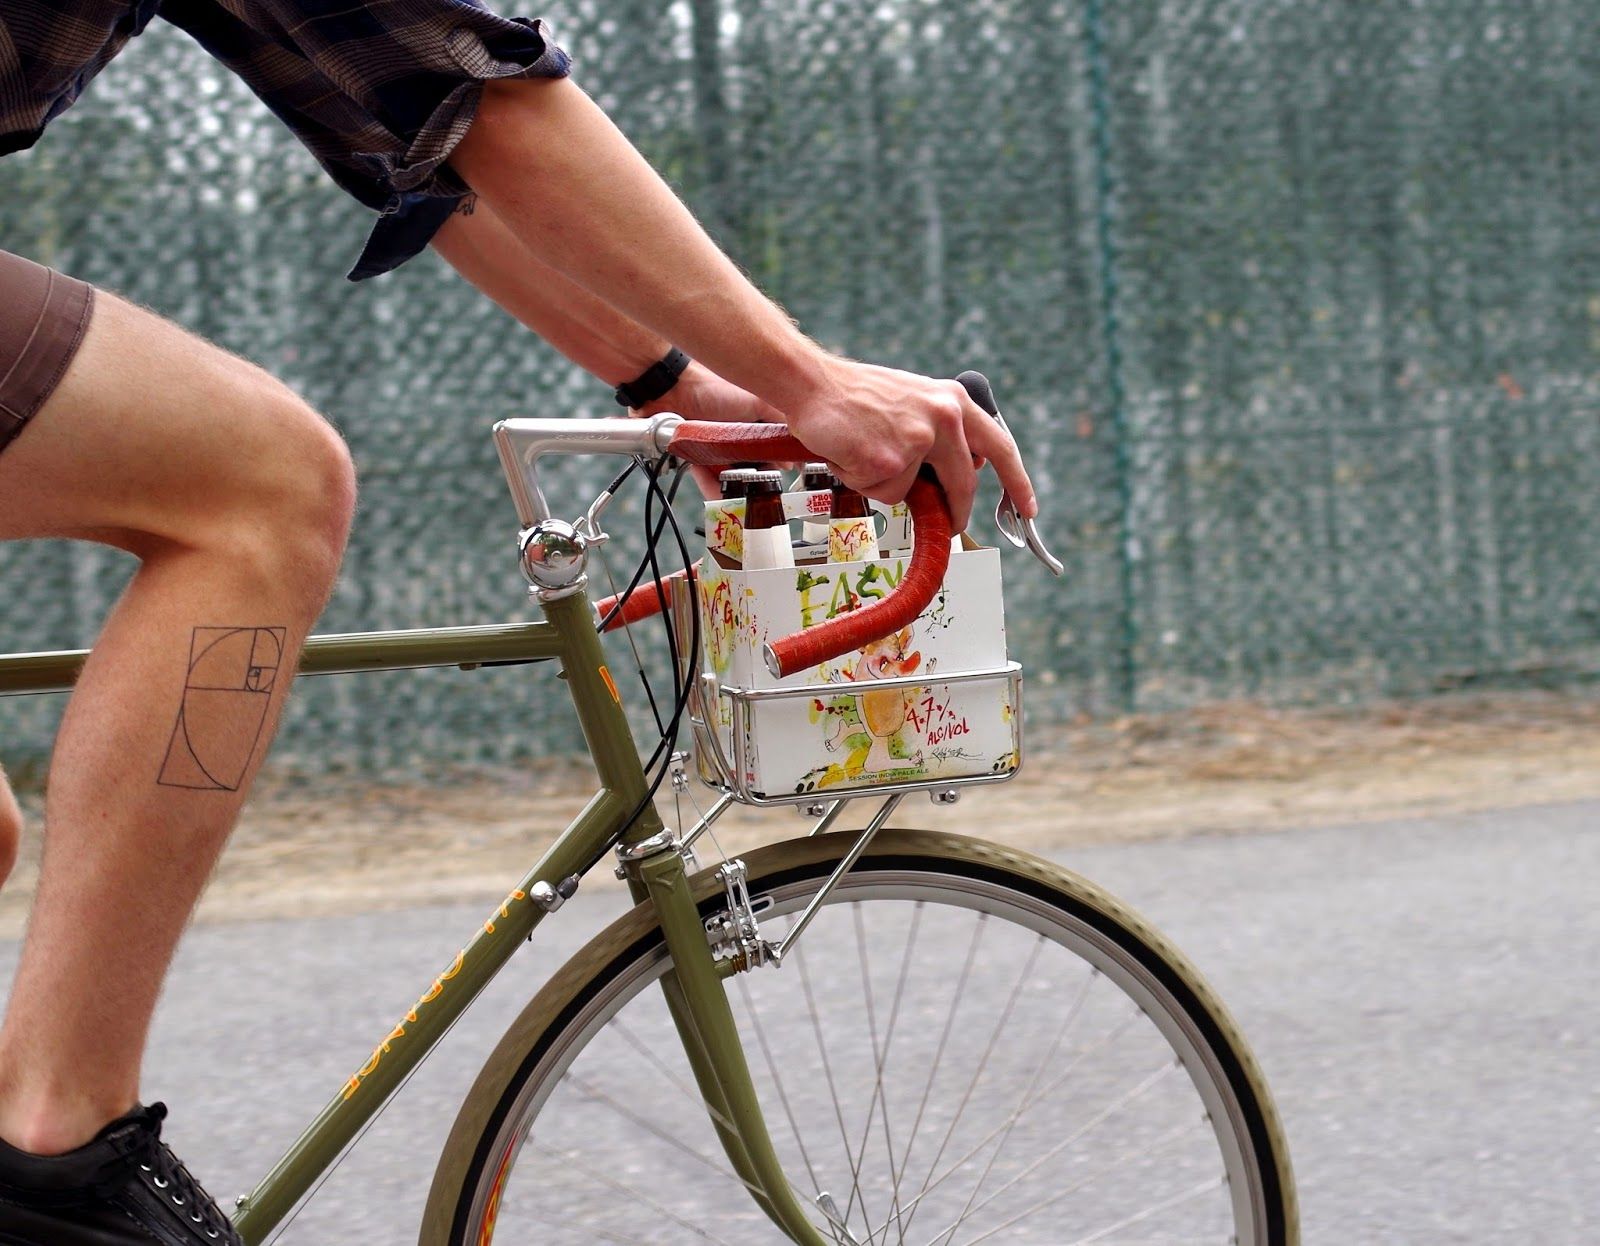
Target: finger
[(951, 461), (990, 441), (890, 491), (708, 480)]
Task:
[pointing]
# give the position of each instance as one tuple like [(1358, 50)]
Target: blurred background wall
[(1295, 308)]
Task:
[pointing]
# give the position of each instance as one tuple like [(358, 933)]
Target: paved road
[(1424, 995)]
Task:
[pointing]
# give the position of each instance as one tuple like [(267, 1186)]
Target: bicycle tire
[(576, 1006)]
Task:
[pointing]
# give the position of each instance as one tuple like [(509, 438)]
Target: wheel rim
[(1052, 1091)]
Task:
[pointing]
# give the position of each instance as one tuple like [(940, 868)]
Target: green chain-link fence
[(1296, 308)]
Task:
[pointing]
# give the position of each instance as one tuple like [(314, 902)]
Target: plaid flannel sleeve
[(380, 93)]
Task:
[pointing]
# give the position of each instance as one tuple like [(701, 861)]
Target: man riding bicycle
[(462, 129)]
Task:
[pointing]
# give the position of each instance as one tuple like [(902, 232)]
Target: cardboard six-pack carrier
[(935, 706)]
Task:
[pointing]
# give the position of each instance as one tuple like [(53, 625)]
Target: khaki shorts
[(43, 315)]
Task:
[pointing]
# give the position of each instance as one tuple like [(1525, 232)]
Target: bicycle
[(889, 1068)]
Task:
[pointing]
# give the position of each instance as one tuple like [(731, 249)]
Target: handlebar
[(709, 445), (644, 602), (845, 633)]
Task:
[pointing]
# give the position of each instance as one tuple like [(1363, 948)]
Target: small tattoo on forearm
[(232, 672), (466, 205)]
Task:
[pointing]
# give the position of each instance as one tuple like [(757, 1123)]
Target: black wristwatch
[(654, 381)]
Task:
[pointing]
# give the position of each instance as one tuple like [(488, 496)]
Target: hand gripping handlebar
[(712, 444)]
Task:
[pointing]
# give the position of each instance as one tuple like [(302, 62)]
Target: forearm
[(563, 179), (581, 325), (559, 174), (578, 323)]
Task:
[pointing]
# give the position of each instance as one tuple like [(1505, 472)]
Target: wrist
[(659, 379), (680, 398), (801, 380)]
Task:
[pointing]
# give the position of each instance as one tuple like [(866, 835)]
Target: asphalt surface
[(1424, 997)]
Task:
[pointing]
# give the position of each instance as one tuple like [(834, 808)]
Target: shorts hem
[(58, 332)]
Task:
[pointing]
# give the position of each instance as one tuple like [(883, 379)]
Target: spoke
[(1177, 1200), (1165, 1140), (1153, 1148), (569, 1159), (855, 1158), (1066, 1075), (938, 1057), (643, 1048), (836, 1225), (657, 1131), (827, 1068), (879, 1056), (772, 1067), (983, 1065), (1016, 1114), (894, 1016), (717, 1117)]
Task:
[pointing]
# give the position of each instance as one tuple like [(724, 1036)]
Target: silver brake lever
[(1020, 533), (589, 525), (1008, 521)]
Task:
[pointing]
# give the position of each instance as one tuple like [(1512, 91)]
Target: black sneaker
[(121, 1189)]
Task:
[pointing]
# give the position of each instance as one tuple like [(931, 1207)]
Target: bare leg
[(236, 498), (10, 828)]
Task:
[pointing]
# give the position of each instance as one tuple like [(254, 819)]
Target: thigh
[(43, 315), (148, 432)]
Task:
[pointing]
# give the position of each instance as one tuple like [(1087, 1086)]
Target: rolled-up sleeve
[(380, 93)]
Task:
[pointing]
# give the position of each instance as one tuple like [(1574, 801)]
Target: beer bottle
[(734, 481), (766, 531), (852, 536), (725, 522), (815, 478)]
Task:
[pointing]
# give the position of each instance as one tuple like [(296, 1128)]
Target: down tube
[(423, 1025), (507, 927)]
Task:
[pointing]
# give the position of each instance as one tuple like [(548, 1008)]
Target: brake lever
[(1018, 531)]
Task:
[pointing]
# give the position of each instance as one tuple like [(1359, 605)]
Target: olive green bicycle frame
[(694, 990)]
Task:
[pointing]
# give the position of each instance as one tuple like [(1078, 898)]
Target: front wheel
[(968, 1045)]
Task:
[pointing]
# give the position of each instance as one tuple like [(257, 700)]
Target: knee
[(10, 829), (299, 497), (318, 486)]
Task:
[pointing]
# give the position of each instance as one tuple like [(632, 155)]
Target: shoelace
[(174, 1181)]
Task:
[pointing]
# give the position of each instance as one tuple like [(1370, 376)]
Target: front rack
[(729, 773)]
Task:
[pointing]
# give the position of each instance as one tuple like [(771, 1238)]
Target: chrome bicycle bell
[(554, 557)]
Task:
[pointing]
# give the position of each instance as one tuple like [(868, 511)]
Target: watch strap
[(654, 381)]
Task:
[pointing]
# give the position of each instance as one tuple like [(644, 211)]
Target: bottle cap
[(734, 482)]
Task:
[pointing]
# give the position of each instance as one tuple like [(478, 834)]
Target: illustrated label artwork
[(232, 672), (844, 725)]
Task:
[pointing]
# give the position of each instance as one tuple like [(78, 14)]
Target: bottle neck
[(848, 504), (763, 510)]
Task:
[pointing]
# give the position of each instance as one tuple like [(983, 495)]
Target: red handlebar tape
[(845, 633), (647, 600), (710, 444)]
